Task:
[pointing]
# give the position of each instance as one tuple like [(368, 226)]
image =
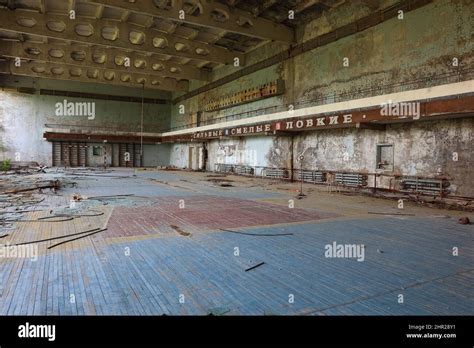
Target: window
[(385, 157), (96, 150)]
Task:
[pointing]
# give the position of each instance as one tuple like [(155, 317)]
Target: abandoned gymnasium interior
[(236, 157)]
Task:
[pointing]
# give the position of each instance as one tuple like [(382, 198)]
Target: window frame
[(99, 150), (378, 155)]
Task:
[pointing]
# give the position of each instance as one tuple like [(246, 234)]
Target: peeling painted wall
[(423, 149), (179, 155), (420, 149), (21, 136), (418, 48), (396, 51), (251, 151), (156, 155)]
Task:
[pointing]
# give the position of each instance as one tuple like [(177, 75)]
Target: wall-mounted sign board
[(249, 95)]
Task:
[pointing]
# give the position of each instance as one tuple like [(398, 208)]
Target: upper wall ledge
[(441, 91)]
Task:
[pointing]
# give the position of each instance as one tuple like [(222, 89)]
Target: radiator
[(349, 179), (225, 168), (425, 186), (243, 170), (275, 173), (311, 176)]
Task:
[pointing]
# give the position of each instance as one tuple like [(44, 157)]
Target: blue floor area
[(409, 256), (159, 184)]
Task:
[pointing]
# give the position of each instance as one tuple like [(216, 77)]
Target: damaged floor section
[(150, 242)]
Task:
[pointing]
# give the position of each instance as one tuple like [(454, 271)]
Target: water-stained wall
[(431, 148)]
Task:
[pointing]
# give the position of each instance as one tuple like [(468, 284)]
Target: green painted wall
[(23, 116)]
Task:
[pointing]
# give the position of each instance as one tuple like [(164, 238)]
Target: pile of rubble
[(22, 190)]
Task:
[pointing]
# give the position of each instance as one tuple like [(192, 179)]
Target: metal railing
[(98, 128), (428, 81)]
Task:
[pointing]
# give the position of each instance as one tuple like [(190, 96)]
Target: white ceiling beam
[(153, 40), (98, 57), (213, 15), (92, 75)]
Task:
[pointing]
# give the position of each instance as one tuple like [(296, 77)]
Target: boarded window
[(385, 157)]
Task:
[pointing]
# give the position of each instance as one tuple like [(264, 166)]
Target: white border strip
[(99, 132)]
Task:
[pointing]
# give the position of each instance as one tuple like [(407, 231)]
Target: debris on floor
[(258, 234), (218, 311), (225, 184), (171, 168), (109, 216), (253, 267), (73, 239), (58, 237), (180, 231), (36, 185), (218, 181), (385, 213), (77, 197), (99, 198)]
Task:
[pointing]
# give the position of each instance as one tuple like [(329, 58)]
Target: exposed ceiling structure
[(158, 44)]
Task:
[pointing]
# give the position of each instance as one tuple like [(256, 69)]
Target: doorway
[(190, 157)]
